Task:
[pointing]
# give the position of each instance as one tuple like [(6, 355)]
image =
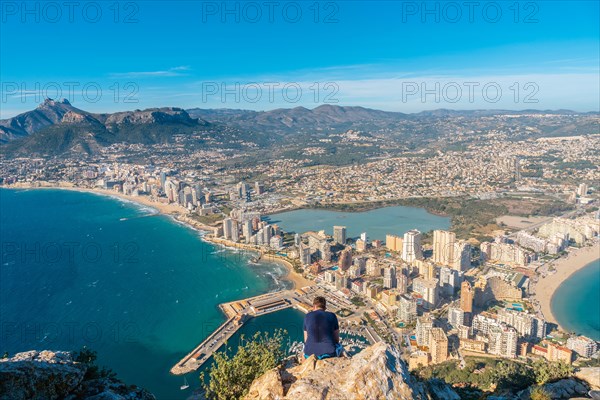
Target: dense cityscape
[(300, 200), (439, 296)]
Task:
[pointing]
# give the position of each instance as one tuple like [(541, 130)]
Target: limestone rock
[(440, 390), (151, 115), (591, 375), (375, 373), (563, 389), (267, 387), (52, 375), (39, 375), (72, 117)]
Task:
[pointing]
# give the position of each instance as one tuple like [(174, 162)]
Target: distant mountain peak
[(49, 102), (55, 126)]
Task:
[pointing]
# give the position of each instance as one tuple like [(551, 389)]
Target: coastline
[(298, 281), (167, 209), (178, 214), (546, 287)]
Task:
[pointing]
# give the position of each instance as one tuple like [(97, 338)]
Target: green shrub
[(88, 357), (538, 393), (230, 377), (545, 371)]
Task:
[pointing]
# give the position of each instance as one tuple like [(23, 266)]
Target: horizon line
[(312, 109)]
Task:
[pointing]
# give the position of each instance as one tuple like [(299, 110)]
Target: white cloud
[(411, 93), (175, 71)]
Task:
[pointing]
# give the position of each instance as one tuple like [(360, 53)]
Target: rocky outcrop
[(560, 390), (40, 375), (439, 390), (375, 373), (591, 375), (72, 117), (48, 113), (54, 375), (151, 115)]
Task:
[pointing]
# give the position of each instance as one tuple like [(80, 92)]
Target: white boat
[(185, 384)]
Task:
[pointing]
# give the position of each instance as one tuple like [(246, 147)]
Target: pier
[(193, 360), (239, 312)]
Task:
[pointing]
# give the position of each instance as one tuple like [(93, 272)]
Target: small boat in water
[(185, 384)]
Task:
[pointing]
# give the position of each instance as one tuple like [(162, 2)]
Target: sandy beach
[(179, 214), (168, 209), (565, 267), (297, 279)]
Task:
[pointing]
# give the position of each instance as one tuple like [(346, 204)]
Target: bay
[(82, 269), (576, 302)]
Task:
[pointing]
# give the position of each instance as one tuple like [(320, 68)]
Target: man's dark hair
[(320, 302)]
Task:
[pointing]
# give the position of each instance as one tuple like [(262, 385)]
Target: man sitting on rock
[(321, 332)]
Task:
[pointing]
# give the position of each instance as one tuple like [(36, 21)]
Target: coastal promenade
[(238, 312)]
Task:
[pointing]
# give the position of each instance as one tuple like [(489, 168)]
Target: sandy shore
[(565, 267), (297, 279), (168, 209), (179, 213)]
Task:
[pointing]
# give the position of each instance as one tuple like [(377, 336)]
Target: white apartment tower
[(411, 246)]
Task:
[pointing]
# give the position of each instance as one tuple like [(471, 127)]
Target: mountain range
[(56, 127)]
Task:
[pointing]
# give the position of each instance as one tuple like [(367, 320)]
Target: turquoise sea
[(139, 288), (576, 302), (377, 223), (81, 269)]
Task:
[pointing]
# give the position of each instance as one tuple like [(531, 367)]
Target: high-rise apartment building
[(228, 228), (297, 239), (276, 242), (438, 345), (235, 231), (428, 289), (448, 251), (526, 324), (389, 277), (259, 188), (361, 246), (583, 346), (401, 283), (325, 251), (247, 230), (456, 316), (502, 341), (443, 245), (424, 325), (467, 293), (339, 234), (450, 280), (462, 256), (393, 242), (373, 267), (345, 260), (411, 246), (407, 309)]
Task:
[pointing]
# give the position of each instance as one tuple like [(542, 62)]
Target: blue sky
[(393, 55)]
